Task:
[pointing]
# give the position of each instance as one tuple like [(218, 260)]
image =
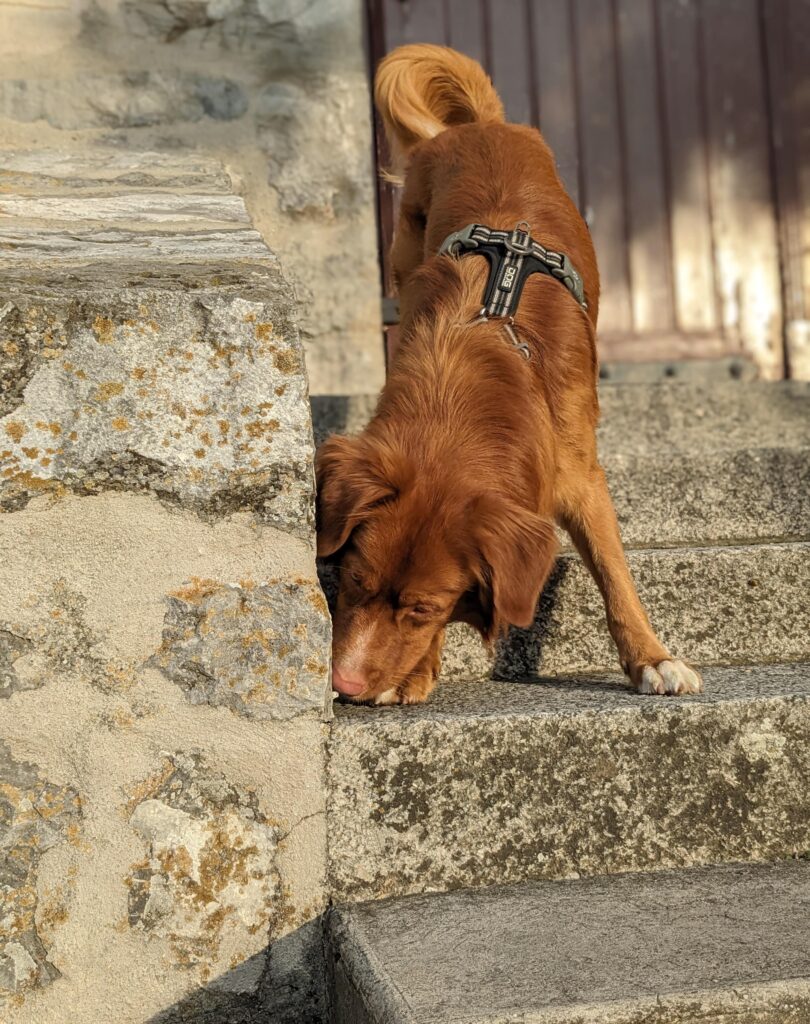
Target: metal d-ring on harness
[(513, 257)]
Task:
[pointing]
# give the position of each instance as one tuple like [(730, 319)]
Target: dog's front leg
[(416, 686), (590, 519)]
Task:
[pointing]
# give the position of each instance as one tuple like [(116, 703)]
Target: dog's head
[(417, 548)]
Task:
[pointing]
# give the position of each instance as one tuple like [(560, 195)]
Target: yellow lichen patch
[(264, 331), (73, 436), (30, 453), (144, 790), (109, 389), (15, 430), (45, 462), (196, 589), (224, 427), (205, 437), (317, 600), (11, 348), (104, 330), (120, 423), (26, 481), (50, 353), (138, 372), (200, 453), (259, 428), (285, 361)]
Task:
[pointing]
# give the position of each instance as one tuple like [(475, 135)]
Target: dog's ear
[(516, 551), (350, 484)]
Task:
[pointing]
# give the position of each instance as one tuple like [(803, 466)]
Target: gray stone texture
[(261, 651), (209, 872), (277, 89), (721, 945), (35, 815), (495, 782), (123, 100), (163, 639), (709, 605), (160, 353)]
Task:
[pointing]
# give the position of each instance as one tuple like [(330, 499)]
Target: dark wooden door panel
[(681, 128), (555, 62), (603, 181), (648, 238)]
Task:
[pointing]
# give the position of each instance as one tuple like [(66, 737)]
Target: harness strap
[(513, 257)]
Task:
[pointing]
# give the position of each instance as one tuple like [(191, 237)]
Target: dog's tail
[(422, 89)]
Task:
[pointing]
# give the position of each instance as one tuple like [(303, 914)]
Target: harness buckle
[(569, 276), (520, 240), (460, 240)]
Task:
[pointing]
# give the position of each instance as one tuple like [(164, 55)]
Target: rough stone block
[(496, 782), (129, 99), (330, 180), (36, 815), (163, 640), (718, 945), (209, 875), (259, 650), (162, 354)]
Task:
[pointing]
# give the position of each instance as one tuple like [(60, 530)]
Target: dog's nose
[(350, 685)]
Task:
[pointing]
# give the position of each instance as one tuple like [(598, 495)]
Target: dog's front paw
[(671, 677)]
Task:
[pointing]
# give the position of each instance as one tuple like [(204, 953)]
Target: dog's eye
[(420, 610)]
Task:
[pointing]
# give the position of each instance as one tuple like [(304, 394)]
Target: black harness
[(513, 257)]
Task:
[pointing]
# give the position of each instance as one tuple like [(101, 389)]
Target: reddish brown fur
[(444, 507)]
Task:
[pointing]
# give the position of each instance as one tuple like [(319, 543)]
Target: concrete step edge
[(485, 956)]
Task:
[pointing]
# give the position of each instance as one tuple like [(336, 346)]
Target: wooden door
[(682, 130)]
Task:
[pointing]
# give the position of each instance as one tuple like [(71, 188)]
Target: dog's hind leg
[(589, 517)]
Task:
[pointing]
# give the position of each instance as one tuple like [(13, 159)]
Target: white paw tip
[(387, 697), (671, 677)]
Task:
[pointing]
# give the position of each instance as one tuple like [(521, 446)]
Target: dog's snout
[(349, 684)]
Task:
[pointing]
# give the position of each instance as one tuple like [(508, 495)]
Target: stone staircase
[(538, 772)]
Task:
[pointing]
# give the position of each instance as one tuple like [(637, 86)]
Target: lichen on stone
[(13, 647), (133, 394), (209, 872), (35, 815), (259, 649)]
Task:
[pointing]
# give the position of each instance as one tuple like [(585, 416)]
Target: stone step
[(500, 782), (712, 945), (688, 464), (711, 606), (696, 416)]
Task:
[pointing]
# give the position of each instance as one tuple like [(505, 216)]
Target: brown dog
[(443, 508)]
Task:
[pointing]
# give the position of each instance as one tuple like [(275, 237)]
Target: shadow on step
[(284, 983)]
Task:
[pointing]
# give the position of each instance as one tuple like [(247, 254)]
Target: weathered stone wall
[(164, 642), (276, 89)]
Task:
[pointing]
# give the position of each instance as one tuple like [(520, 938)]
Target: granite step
[(688, 464), (710, 605), (712, 945), (494, 782)]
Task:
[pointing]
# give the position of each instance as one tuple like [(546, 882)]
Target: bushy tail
[(422, 89)]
